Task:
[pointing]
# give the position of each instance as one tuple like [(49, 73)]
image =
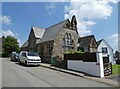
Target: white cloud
[(8, 33), (87, 11), (114, 38), (6, 20), (49, 13), (51, 6)]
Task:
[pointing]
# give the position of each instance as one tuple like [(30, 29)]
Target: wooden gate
[(107, 69)]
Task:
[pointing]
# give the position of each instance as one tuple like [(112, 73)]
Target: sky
[(94, 17)]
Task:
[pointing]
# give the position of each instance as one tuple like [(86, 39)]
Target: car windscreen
[(32, 54)]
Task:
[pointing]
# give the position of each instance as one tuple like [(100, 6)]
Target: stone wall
[(45, 50), (31, 41), (58, 49)]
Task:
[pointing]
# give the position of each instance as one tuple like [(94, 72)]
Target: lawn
[(116, 69)]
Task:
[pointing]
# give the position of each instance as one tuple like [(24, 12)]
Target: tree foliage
[(10, 44)]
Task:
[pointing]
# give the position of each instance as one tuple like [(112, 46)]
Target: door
[(106, 59), (23, 57)]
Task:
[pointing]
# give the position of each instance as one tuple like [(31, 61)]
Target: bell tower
[(74, 23)]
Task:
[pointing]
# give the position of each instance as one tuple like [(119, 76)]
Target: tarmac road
[(15, 75)]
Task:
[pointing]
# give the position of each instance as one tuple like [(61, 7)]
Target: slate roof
[(85, 41), (98, 42), (25, 44), (51, 32), (38, 31)]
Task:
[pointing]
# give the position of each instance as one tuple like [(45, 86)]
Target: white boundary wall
[(92, 68)]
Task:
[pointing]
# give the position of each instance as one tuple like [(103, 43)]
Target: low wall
[(87, 67), (94, 67)]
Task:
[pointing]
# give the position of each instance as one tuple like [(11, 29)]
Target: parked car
[(29, 58), (14, 56)]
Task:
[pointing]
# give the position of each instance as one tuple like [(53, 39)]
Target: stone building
[(24, 47), (87, 44), (53, 40), (35, 36), (58, 38), (1, 43)]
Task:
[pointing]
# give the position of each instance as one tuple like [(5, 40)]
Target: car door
[(24, 56)]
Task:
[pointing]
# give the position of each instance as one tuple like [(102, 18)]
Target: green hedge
[(3, 54)]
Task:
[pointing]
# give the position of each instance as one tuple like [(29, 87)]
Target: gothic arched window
[(68, 42)]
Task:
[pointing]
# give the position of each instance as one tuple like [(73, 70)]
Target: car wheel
[(11, 58), (26, 63), (19, 62)]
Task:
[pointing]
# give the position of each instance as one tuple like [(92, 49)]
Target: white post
[(100, 60)]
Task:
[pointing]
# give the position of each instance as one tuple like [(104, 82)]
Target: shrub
[(73, 52), (3, 54)]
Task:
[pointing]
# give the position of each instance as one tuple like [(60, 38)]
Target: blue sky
[(18, 17)]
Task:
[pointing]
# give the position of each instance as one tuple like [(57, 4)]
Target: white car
[(29, 58)]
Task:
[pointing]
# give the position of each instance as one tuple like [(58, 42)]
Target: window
[(68, 42), (63, 41), (32, 54), (104, 50), (81, 48), (50, 49), (24, 54)]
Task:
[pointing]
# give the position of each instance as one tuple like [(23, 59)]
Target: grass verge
[(116, 69)]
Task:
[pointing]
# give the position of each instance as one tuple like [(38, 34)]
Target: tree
[(117, 55), (10, 44)]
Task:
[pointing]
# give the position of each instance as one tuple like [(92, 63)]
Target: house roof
[(98, 42), (38, 31), (86, 41), (102, 40), (25, 44), (51, 32)]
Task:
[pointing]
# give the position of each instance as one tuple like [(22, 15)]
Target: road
[(15, 75)]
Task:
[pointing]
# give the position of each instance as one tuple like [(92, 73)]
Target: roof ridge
[(100, 40), (37, 27), (87, 36), (57, 24)]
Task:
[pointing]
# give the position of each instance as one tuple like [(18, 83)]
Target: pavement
[(105, 80)]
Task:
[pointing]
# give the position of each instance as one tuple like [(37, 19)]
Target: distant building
[(106, 50), (1, 43), (87, 44)]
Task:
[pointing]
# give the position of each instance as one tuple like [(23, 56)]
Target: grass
[(116, 69)]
